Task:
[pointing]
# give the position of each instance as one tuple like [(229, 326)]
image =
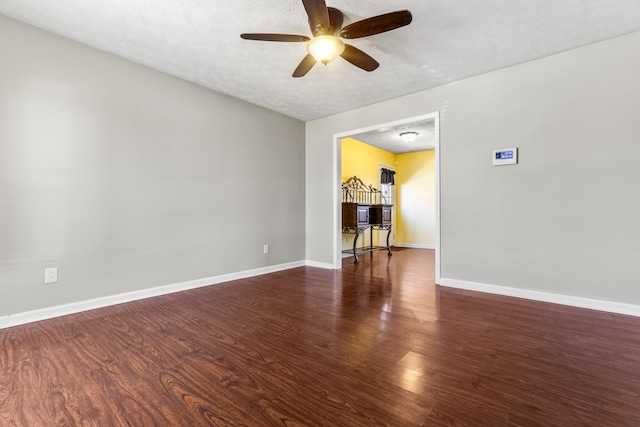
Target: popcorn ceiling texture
[(199, 41)]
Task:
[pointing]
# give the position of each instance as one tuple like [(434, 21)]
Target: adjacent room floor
[(374, 344)]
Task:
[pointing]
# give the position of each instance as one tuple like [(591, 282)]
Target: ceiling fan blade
[(359, 58), (336, 19), (318, 16), (275, 37), (305, 65), (376, 25)]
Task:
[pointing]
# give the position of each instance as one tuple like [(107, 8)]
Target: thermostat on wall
[(505, 156)]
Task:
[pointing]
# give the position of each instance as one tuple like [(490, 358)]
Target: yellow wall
[(415, 197), (361, 160), (414, 224), (415, 190)]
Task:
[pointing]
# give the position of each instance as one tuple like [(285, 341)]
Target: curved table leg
[(355, 241), (388, 248)]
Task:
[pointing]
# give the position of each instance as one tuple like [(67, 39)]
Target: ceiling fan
[(326, 44)]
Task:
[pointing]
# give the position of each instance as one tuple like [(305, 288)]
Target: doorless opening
[(434, 120)]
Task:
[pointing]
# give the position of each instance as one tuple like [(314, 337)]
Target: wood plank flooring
[(376, 344)]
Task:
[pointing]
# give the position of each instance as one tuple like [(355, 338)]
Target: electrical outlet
[(266, 249), (51, 275)]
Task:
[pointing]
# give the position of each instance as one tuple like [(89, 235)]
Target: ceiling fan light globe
[(325, 48)]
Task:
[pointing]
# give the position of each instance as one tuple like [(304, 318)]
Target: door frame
[(337, 181)]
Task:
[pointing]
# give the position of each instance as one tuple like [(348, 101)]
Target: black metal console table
[(362, 209)]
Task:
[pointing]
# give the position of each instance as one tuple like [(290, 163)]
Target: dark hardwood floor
[(376, 344)]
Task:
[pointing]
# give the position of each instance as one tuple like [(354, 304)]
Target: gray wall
[(127, 179), (563, 221)]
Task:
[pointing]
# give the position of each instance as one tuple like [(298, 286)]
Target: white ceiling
[(199, 40), (388, 137)]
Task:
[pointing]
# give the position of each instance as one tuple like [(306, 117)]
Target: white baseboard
[(77, 307), (593, 304), (319, 265), (414, 246), (63, 310)]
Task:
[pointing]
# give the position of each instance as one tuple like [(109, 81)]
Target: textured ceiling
[(198, 40), (388, 137)]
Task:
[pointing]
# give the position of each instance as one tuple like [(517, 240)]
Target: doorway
[(337, 168)]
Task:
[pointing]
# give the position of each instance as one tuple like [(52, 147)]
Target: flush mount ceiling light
[(325, 49), (409, 136)]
